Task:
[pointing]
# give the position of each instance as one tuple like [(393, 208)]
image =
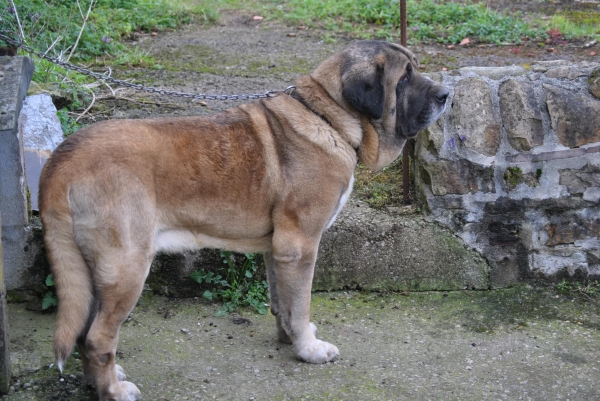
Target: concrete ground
[(522, 343)]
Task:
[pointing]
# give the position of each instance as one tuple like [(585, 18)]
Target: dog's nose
[(442, 95)]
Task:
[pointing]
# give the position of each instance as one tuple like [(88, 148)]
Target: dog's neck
[(314, 97), (358, 131)]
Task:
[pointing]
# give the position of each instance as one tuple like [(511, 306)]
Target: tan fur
[(264, 177)]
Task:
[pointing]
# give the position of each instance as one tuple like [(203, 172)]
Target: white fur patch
[(342, 201), (175, 241)]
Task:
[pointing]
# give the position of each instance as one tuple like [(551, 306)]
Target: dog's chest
[(342, 201)]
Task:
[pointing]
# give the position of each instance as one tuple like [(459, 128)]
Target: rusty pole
[(405, 152)]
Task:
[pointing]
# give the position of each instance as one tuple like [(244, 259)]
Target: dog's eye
[(407, 73)]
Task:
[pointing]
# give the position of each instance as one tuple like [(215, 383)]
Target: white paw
[(132, 391), (318, 352), (121, 376)]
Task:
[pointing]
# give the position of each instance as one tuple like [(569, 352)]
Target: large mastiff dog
[(268, 176)]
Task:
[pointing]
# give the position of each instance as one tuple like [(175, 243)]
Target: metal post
[(405, 151)]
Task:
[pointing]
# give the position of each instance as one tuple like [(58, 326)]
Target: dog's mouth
[(410, 124)]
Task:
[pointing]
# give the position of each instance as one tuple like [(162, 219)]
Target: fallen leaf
[(444, 69), (551, 50), (451, 47), (592, 53), (291, 35), (153, 34), (203, 104), (258, 18), (465, 41)]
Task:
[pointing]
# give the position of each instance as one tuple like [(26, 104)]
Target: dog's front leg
[(292, 264)]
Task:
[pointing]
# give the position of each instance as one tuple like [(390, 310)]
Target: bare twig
[(89, 107), (82, 27), (53, 44), (12, 3), (112, 97)]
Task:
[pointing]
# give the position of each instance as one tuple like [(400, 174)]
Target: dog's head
[(380, 83)]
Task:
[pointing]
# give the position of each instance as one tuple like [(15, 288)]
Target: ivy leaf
[(50, 280)]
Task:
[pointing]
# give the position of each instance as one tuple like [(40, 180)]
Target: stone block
[(472, 117), (594, 82), (572, 229), (575, 118), (578, 181), (494, 72), (457, 177), (520, 114), (559, 73), (42, 133), (432, 138)]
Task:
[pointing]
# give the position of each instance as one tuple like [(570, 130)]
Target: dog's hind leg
[(117, 299)]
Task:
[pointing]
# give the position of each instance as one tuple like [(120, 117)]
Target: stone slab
[(5, 366), (15, 75)]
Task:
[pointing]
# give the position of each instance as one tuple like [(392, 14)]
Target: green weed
[(49, 299), (589, 290), (236, 287)]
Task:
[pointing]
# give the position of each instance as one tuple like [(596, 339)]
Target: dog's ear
[(365, 91)]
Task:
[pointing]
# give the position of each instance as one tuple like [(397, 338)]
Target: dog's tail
[(72, 280)]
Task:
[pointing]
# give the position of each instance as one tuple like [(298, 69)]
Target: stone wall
[(513, 168)]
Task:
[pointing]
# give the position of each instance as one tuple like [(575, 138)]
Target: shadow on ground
[(520, 343)]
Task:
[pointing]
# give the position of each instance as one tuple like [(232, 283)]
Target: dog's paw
[(125, 391), (121, 376), (318, 352)]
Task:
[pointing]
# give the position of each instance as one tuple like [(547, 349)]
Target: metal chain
[(140, 87)]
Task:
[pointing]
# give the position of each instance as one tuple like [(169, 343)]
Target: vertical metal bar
[(405, 152)]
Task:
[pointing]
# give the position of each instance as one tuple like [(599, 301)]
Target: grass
[(577, 24), (56, 24), (428, 20)]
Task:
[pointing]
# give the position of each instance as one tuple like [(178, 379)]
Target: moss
[(538, 173), (381, 188), (513, 177), (15, 297), (29, 210)]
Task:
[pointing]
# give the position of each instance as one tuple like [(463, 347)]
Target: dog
[(268, 176)]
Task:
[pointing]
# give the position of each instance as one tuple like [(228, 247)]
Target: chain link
[(120, 82)]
